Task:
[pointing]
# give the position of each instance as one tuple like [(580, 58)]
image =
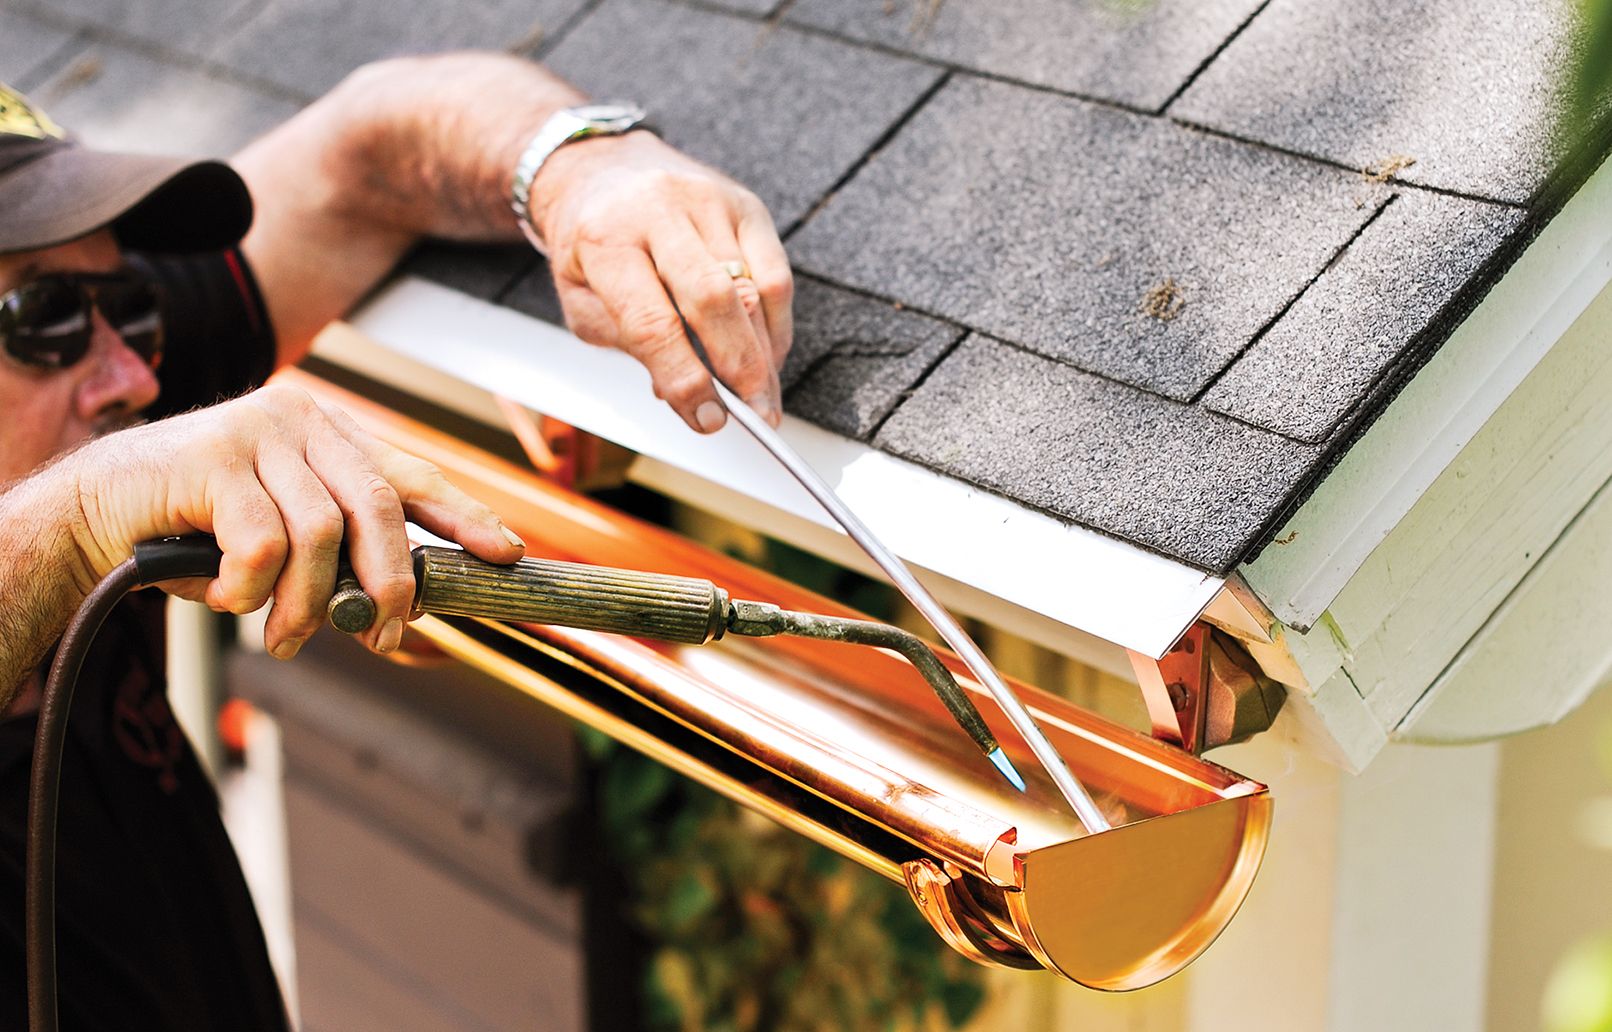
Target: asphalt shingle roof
[(144, 104), (1137, 54), (307, 46), (193, 26), (1468, 89), (26, 45), (856, 357), (1178, 478), (1373, 307), (482, 272), (1053, 235), (1117, 261), (743, 96)]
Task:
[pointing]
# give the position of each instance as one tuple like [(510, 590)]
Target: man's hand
[(280, 481), (638, 233)]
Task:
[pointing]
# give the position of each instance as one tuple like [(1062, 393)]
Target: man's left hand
[(642, 238)]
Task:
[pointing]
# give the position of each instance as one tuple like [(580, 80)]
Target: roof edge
[(1439, 410)]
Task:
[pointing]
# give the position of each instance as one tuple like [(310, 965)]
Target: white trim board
[(1069, 575), (1440, 410), (1541, 654), (1450, 575), (962, 599)]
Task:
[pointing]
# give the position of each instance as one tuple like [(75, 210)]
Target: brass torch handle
[(547, 591)]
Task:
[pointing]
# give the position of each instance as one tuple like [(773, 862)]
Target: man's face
[(44, 412)]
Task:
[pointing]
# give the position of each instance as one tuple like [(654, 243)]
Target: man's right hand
[(281, 482)]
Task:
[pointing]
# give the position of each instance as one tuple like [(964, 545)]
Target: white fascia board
[(1439, 411), (1067, 574)]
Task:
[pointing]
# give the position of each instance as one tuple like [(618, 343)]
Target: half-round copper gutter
[(848, 746)]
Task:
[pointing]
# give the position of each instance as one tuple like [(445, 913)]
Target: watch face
[(609, 116)]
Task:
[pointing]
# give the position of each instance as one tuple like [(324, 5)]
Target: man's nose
[(116, 380)]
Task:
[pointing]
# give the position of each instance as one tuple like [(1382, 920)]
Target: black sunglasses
[(47, 322)]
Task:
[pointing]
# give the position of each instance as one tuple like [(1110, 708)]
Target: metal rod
[(763, 619), (1073, 791)]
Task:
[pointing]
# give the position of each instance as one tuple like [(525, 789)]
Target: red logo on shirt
[(145, 729)]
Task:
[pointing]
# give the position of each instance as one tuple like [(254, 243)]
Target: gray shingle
[(194, 26), (854, 357), (307, 46), (118, 99), (1389, 288), (1173, 478), (480, 271), (26, 46), (1134, 53), (534, 294), (1053, 236), (784, 112), (1466, 87), (758, 8)]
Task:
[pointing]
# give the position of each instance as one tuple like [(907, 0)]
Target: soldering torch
[(688, 610)]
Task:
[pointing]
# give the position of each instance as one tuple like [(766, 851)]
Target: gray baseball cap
[(53, 189)]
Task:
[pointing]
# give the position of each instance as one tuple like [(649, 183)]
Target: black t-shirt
[(155, 927)]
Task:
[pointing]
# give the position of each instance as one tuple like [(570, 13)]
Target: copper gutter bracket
[(1174, 688), (1206, 691), (568, 456)]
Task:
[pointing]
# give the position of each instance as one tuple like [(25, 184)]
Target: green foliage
[(1592, 83), (1578, 997), (757, 928)]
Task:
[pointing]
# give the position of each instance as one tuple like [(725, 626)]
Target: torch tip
[(1005, 765)]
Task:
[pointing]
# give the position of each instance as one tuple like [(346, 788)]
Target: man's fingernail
[(762, 405), (512, 537), (287, 648), (710, 416), (391, 635)]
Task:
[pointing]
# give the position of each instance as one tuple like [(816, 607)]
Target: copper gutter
[(848, 746)]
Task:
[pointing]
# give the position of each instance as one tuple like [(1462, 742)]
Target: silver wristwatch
[(562, 127)]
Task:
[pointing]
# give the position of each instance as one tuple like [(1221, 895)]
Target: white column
[(194, 685), (1372, 909), (252, 798)]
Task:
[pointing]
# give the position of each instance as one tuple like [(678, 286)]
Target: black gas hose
[(167, 559)]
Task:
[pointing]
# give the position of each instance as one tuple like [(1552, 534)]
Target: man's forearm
[(43, 576), (433, 141)]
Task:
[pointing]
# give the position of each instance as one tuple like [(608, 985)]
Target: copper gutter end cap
[(1132, 906)]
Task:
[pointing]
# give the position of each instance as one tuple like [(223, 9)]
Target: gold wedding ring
[(736, 269)]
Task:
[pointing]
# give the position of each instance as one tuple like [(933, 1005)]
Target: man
[(127, 289)]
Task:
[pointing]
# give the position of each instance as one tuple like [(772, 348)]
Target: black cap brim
[(151, 203)]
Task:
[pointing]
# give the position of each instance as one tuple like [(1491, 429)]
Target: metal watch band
[(562, 127)]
